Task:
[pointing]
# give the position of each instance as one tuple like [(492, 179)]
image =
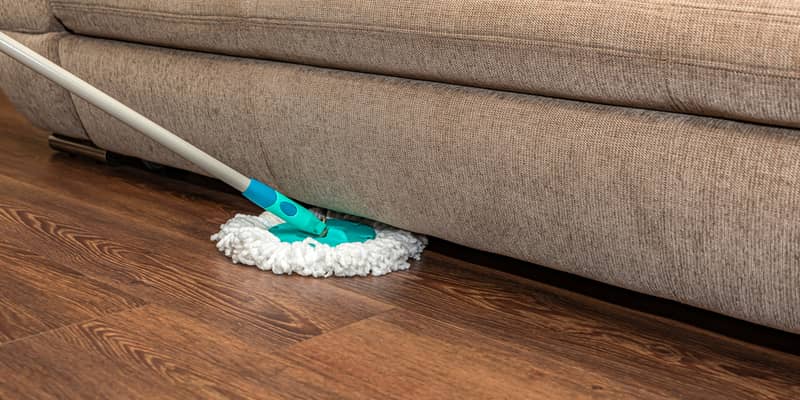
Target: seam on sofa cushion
[(52, 24), (47, 105), (321, 25), (668, 63), (742, 10), (58, 38), (108, 136), (59, 56)]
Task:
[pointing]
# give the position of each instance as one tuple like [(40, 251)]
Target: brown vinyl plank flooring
[(110, 288)]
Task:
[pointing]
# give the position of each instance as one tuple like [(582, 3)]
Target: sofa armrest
[(46, 105), (29, 16)]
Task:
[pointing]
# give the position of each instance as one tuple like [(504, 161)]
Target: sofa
[(652, 145)]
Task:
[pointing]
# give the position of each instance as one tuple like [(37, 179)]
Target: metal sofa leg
[(85, 148), (78, 147)]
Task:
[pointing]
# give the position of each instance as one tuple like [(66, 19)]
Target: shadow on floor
[(703, 319), (699, 318)]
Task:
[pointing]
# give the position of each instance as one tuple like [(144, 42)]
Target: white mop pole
[(82, 89)]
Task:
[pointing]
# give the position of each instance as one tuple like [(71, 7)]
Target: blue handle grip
[(287, 209)]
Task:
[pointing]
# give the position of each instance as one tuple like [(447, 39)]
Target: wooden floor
[(110, 288)]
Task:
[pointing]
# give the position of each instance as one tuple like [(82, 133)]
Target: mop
[(287, 238)]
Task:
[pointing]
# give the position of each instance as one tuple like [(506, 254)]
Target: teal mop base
[(339, 231)]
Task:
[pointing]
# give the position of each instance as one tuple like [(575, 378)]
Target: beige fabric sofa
[(652, 145)]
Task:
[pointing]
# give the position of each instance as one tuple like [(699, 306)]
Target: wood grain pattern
[(439, 354), (46, 367), (175, 349), (167, 267), (110, 288), (37, 294), (638, 350)]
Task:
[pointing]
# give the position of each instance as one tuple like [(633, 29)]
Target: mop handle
[(257, 192)]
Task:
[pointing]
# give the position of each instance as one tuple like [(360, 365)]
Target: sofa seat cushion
[(699, 210), (732, 59), (29, 16)]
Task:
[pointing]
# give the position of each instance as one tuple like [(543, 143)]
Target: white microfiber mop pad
[(246, 240)]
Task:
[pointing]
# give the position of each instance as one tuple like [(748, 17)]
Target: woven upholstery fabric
[(30, 16), (44, 103), (695, 209), (733, 59)]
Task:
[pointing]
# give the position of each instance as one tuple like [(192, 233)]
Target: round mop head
[(247, 239)]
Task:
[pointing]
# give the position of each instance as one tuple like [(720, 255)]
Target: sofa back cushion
[(723, 58)]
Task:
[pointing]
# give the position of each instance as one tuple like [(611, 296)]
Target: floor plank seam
[(73, 324), (345, 326)]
